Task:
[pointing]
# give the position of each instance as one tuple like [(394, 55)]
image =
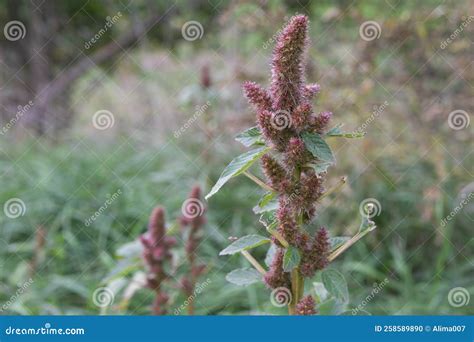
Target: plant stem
[(335, 188), (349, 243), (257, 180), (254, 262)]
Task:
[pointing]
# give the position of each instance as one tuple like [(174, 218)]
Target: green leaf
[(250, 137), (320, 167), (366, 225), (243, 276), (237, 166), (266, 203), (270, 255), (244, 243), (318, 147), (337, 132), (337, 241), (291, 259), (335, 284), (268, 220), (320, 291)]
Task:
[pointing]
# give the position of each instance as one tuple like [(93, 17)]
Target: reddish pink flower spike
[(306, 306)]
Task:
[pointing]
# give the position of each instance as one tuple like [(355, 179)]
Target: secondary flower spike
[(156, 253)]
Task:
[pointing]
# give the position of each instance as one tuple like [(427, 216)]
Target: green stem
[(254, 262), (257, 180)]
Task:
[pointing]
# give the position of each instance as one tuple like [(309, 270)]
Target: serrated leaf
[(237, 166), (266, 203), (250, 137), (318, 147), (270, 255), (335, 284), (291, 259), (337, 132), (243, 276), (337, 241), (244, 243)]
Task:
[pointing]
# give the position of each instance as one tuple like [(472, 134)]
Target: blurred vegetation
[(411, 161)]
